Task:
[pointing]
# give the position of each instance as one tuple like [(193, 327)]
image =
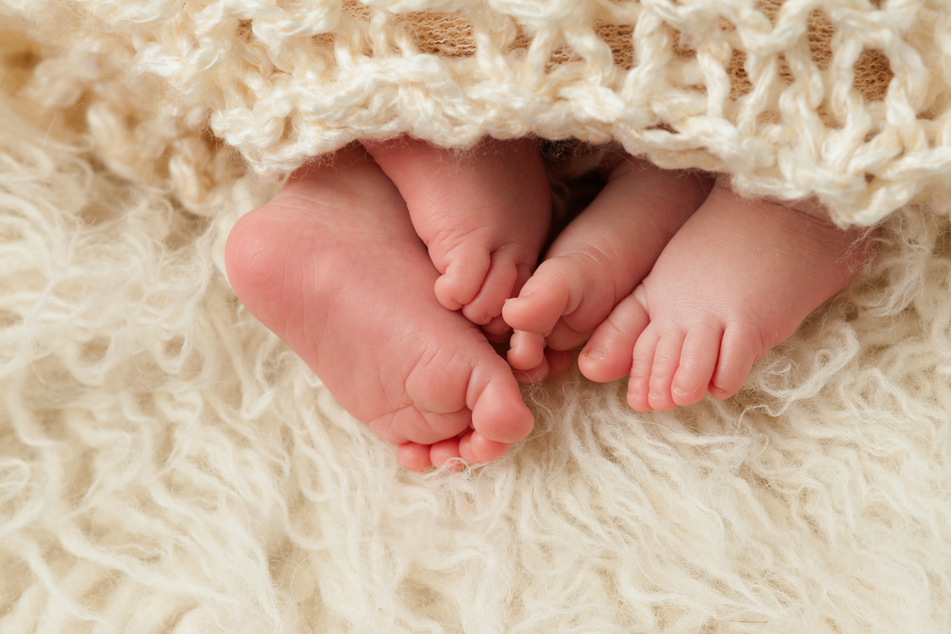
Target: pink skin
[(735, 281), (483, 214), (598, 260), (334, 267)]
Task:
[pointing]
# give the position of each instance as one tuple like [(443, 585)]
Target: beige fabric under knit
[(844, 99)]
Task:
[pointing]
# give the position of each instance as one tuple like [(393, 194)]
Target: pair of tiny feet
[(393, 267)]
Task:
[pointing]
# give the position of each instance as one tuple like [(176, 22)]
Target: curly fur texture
[(167, 465)]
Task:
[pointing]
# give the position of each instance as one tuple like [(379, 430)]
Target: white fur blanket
[(167, 465)]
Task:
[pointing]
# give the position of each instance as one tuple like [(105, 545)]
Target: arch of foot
[(844, 99)]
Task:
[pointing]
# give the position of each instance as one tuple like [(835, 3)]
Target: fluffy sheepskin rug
[(166, 464)]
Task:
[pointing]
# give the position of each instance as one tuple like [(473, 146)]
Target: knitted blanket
[(168, 465)]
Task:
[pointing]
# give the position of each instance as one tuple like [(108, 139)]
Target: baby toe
[(697, 362), (666, 360), (474, 448), (497, 286), (553, 363), (414, 456), (445, 453), (638, 386), (462, 277), (526, 350)]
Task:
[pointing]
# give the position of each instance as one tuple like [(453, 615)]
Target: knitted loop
[(843, 99)]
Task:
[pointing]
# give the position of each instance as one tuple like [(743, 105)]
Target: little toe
[(666, 361), (553, 363), (638, 386), (535, 374), (697, 361), (474, 448), (445, 453), (609, 352), (414, 456), (526, 350)]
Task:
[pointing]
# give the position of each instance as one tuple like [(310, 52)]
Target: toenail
[(595, 353), (718, 393)]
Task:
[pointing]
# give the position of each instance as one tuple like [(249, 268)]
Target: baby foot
[(734, 282), (599, 259), (334, 267), (483, 213)]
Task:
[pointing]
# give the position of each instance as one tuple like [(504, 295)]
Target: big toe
[(608, 355), (544, 298)]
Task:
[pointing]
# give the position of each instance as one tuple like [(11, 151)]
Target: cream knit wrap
[(847, 100)]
